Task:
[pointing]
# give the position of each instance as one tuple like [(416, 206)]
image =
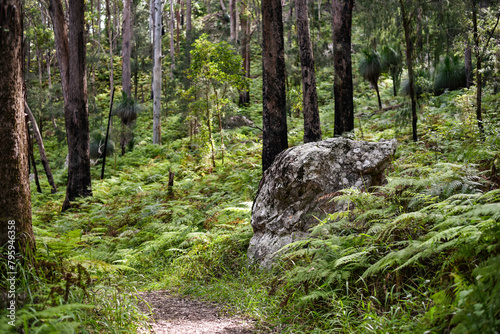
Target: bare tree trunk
[(342, 86), (110, 36), (126, 48), (274, 95), (232, 20), (177, 26), (32, 158), (16, 231), (73, 78), (157, 74), (188, 20), (409, 64), (245, 50), (41, 149), (312, 127), (172, 41), (468, 65)]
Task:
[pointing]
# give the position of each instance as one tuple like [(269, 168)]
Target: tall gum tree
[(274, 138), (70, 44), (342, 86), (15, 202), (312, 127)]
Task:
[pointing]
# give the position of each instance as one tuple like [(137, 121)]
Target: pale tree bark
[(312, 127), (177, 28), (15, 203), (342, 86), (172, 41), (74, 82), (41, 149), (126, 48), (232, 20), (157, 74), (274, 138)]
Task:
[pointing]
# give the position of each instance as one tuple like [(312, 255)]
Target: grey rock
[(296, 192), (237, 121)]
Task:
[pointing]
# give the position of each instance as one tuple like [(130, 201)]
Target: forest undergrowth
[(419, 254)]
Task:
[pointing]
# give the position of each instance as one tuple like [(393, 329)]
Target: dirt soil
[(184, 315)]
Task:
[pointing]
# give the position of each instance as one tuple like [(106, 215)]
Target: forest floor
[(183, 315)]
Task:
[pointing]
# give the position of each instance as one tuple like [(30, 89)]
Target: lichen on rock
[(296, 192)]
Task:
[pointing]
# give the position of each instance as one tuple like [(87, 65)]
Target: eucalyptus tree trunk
[(232, 20), (312, 127), (409, 64), (15, 203), (74, 83), (110, 36), (468, 65), (273, 90), (157, 73), (342, 86), (245, 50), (126, 48), (172, 40), (188, 20)]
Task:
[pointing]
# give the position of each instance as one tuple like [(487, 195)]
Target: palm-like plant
[(392, 63), (127, 110), (450, 74), (370, 69)]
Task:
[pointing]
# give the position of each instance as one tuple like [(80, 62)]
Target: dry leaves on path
[(183, 315)]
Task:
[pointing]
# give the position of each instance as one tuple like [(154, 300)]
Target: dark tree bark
[(342, 86), (126, 48), (232, 20), (15, 203), (409, 63), (312, 127), (245, 50), (74, 83), (274, 97)]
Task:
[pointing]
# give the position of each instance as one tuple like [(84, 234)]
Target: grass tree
[(392, 63), (215, 69), (450, 74), (127, 110), (370, 69)]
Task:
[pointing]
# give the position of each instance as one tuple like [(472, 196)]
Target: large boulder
[(297, 190)]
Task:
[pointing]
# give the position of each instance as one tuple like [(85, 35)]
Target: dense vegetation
[(419, 254)]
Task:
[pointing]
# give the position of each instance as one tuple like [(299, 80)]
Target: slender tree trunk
[(342, 86), (126, 48), (245, 50), (232, 20), (312, 128), (110, 36), (188, 20), (409, 64), (479, 83), (378, 96), (41, 149), (16, 231), (32, 158), (157, 74), (172, 41), (177, 29), (223, 6), (273, 96)]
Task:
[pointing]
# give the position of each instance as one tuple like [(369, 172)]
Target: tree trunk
[(188, 20), (312, 128), (479, 86), (32, 158), (245, 50), (16, 231), (177, 29), (273, 96), (342, 86), (126, 48), (73, 78), (409, 64), (157, 74), (232, 20), (110, 36), (41, 149), (172, 41)]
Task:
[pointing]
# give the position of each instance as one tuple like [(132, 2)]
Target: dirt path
[(183, 315)]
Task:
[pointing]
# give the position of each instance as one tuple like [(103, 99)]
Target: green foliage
[(370, 66), (127, 109), (450, 74)]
